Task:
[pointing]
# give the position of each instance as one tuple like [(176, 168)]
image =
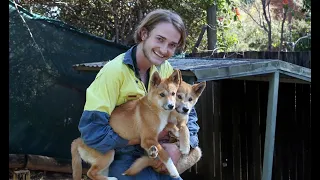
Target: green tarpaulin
[(46, 96)]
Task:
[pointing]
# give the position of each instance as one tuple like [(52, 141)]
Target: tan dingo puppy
[(187, 97), (142, 119)]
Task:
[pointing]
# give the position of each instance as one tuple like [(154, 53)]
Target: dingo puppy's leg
[(76, 160), (101, 164), (170, 127), (139, 165), (184, 139)]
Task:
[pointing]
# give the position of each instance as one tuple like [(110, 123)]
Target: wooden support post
[(21, 175), (270, 126)]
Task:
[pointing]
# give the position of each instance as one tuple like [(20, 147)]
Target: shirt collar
[(128, 60)]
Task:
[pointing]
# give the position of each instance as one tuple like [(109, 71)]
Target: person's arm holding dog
[(101, 98), (193, 128)]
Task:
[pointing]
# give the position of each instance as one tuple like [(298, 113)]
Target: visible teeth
[(158, 54)]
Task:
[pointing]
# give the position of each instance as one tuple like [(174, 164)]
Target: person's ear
[(144, 34)]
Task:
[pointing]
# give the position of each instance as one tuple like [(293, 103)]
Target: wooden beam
[(270, 126), (17, 161), (45, 163), (42, 163)]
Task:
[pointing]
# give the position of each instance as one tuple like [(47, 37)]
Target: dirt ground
[(41, 175)]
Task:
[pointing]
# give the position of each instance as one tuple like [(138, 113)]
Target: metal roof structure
[(272, 70), (217, 69)]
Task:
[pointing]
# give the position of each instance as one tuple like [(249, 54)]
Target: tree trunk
[(282, 25), (265, 4), (212, 27)]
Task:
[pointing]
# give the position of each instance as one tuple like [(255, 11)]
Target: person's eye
[(173, 45), (160, 39)]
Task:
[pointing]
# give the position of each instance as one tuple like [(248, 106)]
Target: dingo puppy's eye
[(162, 95), (173, 93), (190, 99), (179, 96)]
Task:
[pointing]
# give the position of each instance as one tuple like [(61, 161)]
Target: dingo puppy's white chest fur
[(163, 120)]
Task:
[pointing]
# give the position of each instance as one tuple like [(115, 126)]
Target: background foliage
[(116, 20)]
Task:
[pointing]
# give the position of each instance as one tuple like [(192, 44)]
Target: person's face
[(160, 43)]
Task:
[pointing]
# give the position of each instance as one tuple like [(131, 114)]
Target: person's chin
[(158, 61)]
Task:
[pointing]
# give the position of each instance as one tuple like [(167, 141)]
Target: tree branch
[(282, 25)]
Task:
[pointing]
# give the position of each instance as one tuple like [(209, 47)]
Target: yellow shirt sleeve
[(102, 95)]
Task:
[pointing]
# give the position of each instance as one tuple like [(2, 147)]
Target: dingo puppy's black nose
[(185, 109), (170, 106)]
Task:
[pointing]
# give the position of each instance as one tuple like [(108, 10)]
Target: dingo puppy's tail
[(76, 160)]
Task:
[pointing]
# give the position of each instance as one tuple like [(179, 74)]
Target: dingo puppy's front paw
[(153, 152), (184, 150)]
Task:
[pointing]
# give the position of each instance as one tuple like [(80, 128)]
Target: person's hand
[(173, 152), (163, 135)]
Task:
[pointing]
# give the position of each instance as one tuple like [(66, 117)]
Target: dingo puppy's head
[(187, 96), (163, 91)]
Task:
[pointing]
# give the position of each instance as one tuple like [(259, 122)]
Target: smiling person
[(159, 35)]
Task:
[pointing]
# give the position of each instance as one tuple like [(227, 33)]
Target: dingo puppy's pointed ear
[(155, 79), (176, 77), (198, 88)]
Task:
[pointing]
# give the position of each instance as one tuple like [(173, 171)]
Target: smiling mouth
[(158, 54)]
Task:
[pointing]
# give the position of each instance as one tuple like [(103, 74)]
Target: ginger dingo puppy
[(187, 97), (142, 119)]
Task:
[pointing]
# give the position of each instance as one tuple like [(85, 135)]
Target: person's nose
[(164, 49)]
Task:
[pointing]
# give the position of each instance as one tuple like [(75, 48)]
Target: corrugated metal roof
[(215, 69), (97, 65)]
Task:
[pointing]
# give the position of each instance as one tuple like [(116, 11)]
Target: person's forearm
[(193, 128), (97, 133)]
